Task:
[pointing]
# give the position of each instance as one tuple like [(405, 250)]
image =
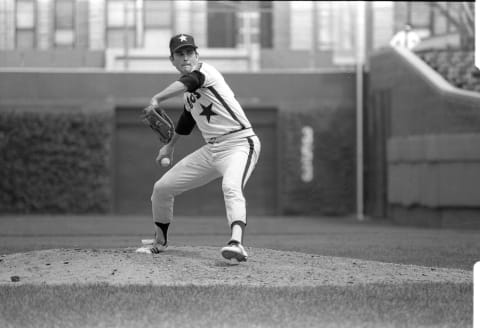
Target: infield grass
[(101, 305)]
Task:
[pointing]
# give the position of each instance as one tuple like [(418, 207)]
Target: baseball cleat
[(151, 246), (234, 251)]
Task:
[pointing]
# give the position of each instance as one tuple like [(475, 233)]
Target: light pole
[(359, 60), (477, 34), (125, 34)]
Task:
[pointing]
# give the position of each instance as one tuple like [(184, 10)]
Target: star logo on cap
[(182, 38)]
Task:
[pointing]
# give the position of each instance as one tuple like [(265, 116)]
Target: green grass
[(408, 305), (101, 305)]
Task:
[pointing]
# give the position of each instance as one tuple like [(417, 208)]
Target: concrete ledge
[(437, 147), (434, 79), (52, 58), (226, 60)]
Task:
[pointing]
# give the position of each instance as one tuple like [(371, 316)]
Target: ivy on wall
[(55, 160)]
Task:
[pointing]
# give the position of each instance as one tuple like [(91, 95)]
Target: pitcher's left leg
[(237, 168)]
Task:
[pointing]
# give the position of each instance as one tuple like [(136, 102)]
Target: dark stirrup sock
[(164, 228), (238, 228)]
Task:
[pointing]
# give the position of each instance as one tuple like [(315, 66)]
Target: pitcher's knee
[(161, 190), (231, 191)]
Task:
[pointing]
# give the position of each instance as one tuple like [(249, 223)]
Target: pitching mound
[(185, 265)]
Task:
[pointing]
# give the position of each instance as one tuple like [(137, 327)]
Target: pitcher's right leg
[(191, 172)]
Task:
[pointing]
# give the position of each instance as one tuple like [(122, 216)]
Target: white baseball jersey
[(231, 150), (213, 105)]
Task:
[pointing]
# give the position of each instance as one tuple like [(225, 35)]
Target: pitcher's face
[(185, 59)]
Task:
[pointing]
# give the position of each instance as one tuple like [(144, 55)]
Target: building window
[(420, 14), (325, 26), (440, 22), (157, 17), (64, 23), (346, 20), (121, 24), (157, 13), (301, 23), (266, 24), (248, 29), (25, 24), (221, 24)]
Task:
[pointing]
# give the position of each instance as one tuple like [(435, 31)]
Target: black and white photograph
[(239, 164)]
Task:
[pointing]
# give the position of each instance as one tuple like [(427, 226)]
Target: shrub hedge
[(55, 159)]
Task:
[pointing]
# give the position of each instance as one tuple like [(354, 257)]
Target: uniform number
[(192, 98)]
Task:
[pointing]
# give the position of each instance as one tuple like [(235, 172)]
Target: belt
[(237, 133)]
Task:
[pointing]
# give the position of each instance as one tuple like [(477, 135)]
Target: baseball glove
[(160, 122)]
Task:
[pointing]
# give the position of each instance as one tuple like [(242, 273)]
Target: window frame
[(32, 29), (73, 29), (132, 42)]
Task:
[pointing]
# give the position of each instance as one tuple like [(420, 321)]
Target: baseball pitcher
[(230, 152)]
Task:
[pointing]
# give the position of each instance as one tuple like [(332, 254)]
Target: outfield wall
[(280, 106), (431, 135)]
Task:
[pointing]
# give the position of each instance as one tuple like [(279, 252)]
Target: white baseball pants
[(233, 159)]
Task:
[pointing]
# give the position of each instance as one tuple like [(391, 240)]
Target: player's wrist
[(154, 102), (174, 140)]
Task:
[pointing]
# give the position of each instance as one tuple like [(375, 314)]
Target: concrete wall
[(283, 90), (57, 58), (432, 142)]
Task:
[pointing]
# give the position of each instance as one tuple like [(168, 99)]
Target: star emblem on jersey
[(207, 111), (182, 38)]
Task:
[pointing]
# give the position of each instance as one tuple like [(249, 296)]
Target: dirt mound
[(184, 265)]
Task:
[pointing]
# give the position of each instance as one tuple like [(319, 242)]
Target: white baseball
[(165, 161)]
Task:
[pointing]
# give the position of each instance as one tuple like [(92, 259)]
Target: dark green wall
[(278, 104)]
